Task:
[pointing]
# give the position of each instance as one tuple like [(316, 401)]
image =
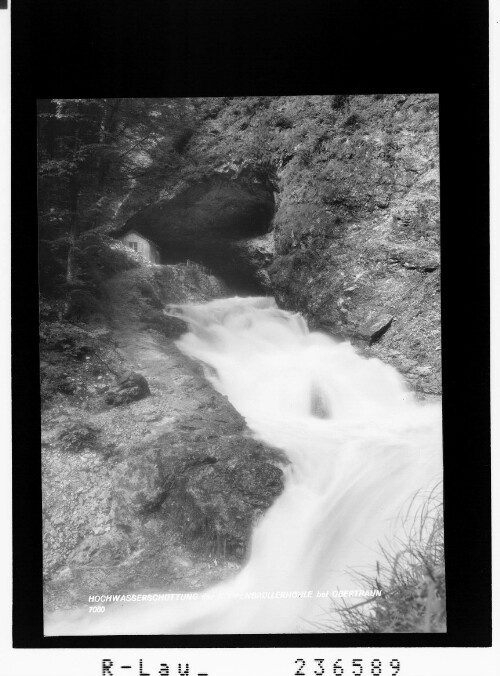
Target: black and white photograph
[(240, 365), (247, 327)]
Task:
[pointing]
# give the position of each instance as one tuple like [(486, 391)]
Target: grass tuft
[(410, 575)]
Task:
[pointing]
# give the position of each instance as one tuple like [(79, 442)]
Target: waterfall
[(362, 450)]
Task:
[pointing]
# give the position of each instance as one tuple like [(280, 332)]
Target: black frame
[(275, 48)]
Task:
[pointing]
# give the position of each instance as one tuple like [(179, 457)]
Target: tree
[(92, 153)]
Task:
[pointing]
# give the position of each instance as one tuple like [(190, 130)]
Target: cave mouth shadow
[(222, 261), (207, 222)]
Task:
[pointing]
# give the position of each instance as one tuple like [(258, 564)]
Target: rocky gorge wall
[(353, 242)]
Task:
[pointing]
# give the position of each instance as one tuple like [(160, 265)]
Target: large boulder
[(205, 481)]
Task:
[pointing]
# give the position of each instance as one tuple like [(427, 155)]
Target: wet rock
[(131, 386)]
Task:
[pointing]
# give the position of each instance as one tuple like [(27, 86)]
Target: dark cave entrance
[(223, 262), (208, 223)]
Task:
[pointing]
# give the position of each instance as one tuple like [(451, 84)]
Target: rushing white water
[(360, 445)]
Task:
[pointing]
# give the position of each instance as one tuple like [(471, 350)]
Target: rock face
[(356, 223), (362, 261)]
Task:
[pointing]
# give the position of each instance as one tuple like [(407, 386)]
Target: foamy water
[(361, 448)]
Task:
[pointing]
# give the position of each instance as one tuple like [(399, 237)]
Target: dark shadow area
[(221, 260)]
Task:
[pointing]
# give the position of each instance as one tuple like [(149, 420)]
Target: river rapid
[(364, 455)]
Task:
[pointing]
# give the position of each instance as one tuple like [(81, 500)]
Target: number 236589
[(340, 667)]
